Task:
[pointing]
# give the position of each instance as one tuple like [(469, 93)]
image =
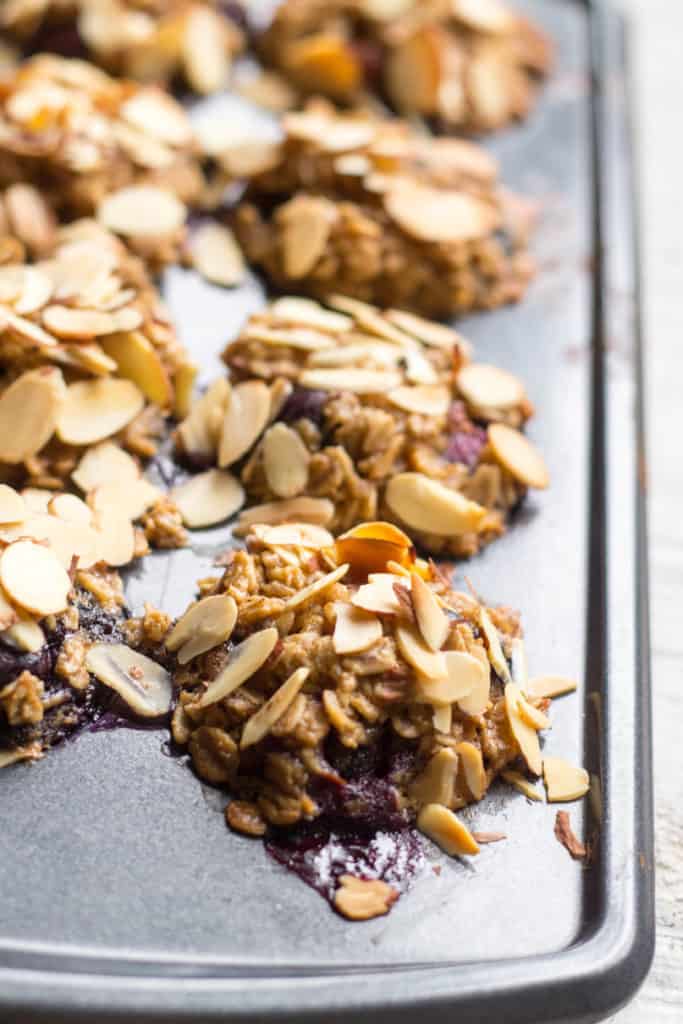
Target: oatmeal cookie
[(149, 40), (469, 64), (373, 209), (342, 413)]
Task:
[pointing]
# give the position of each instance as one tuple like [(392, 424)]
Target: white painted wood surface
[(657, 50)]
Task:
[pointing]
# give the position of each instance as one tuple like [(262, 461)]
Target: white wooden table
[(657, 45)]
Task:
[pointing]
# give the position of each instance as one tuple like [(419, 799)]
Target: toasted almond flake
[(532, 716), (142, 210), (414, 71), (137, 360), (378, 596), (88, 356), (115, 536), (447, 831), (463, 678), (473, 768), (245, 418), (436, 782), (304, 338), (200, 431), (249, 158), (518, 666), (285, 461), (525, 735), (427, 663), (359, 381), (361, 899), (371, 320), (71, 508), (208, 498), (550, 686), (28, 331), (494, 646), (426, 331), (358, 350), (205, 625), (32, 752), (145, 686), (34, 578), (488, 16), (316, 588), (521, 784), (260, 723), (37, 499), (68, 323), (298, 535), (24, 635), (355, 630), (518, 456), (206, 57), (307, 313), (439, 215), (216, 255), (30, 217), (36, 291), (12, 505), (131, 501), (419, 370), (307, 223), (431, 619), (424, 399), (67, 540), (332, 133), (245, 659), (29, 411), (96, 409), (156, 113), (442, 718), (318, 511), (183, 383), (484, 386), (564, 781), (104, 463), (427, 505)]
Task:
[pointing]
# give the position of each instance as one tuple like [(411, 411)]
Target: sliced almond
[(297, 535), (473, 768), (27, 331), (532, 716), (442, 718), (521, 784), (200, 431), (307, 223), (318, 511), (429, 664), (34, 578), (484, 386), (307, 313), (71, 508), (12, 505), (138, 361), (217, 256), (206, 57), (436, 783), (427, 505), (564, 781), (208, 498), (29, 411), (132, 501), (141, 211), (355, 630), (316, 588), (333, 133), (518, 456), (31, 752), (285, 461), (245, 659), (488, 16), (423, 399), (115, 536), (419, 370), (305, 338), (414, 70), (96, 409), (8, 613), (426, 331), (494, 646), (260, 723), (550, 686), (145, 686), (206, 624), (447, 831), (156, 113), (37, 499), (78, 324), (245, 419), (525, 735), (518, 665), (24, 635), (378, 596), (359, 381), (464, 680), (36, 292), (104, 463), (439, 215), (431, 619)]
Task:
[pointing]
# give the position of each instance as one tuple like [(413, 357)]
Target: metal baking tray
[(123, 895)]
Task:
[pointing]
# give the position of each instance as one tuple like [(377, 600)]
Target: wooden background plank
[(657, 52)]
